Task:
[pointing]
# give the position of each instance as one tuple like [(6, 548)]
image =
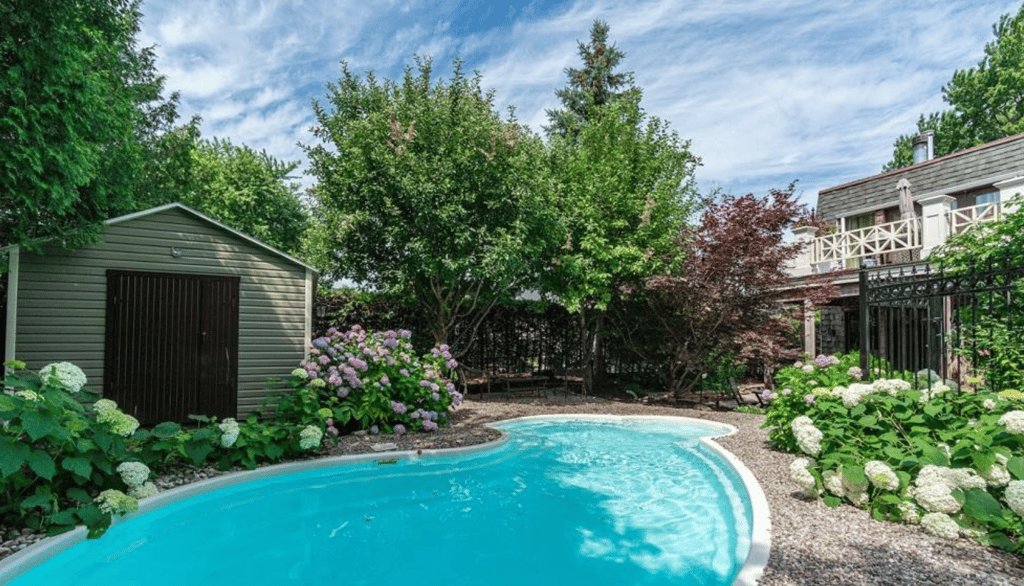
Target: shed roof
[(967, 169), (209, 220), (202, 217)]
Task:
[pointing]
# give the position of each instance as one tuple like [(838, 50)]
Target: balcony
[(890, 243)]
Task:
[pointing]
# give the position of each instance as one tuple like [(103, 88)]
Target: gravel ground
[(812, 544)]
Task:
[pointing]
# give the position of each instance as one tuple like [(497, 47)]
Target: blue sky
[(768, 91)]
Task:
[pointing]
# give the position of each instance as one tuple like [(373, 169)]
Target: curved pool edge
[(753, 568), (39, 552), (760, 538)]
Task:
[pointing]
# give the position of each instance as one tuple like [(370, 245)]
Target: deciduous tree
[(424, 190), (725, 289), (624, 185), (249, 191)]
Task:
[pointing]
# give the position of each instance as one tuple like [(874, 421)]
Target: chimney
[(924, 146)]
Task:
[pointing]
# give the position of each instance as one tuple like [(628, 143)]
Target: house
[(171, 314), (899, 218)]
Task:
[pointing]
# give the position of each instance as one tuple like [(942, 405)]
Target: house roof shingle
[(966, 169)]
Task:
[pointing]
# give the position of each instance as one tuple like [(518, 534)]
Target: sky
[(767, 91)]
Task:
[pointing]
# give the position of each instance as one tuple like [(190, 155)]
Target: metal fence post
[(865, 324)]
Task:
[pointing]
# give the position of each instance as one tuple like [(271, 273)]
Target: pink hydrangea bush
[(376, 381)]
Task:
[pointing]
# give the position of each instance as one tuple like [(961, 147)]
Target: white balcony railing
[(962, 219), (867, 242), (884, 243)]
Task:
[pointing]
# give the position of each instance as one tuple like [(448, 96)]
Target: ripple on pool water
[(564, 502)]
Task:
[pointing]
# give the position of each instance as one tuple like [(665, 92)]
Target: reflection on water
[(563, 503)]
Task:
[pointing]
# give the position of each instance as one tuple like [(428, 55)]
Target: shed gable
[(61, 311)]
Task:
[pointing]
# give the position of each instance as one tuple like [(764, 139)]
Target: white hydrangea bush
[(948, 457), (66, 374)]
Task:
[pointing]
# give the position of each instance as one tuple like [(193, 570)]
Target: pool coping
[(22, 561)]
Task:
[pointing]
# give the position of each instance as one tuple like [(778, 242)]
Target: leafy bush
[(371, 381), (59, 458), (952, 461)]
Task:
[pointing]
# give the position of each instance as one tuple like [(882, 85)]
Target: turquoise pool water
[(589, 502)]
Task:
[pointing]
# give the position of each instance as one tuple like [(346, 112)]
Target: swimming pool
[(563, 501)]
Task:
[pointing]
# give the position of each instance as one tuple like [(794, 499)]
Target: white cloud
[(768, 91)]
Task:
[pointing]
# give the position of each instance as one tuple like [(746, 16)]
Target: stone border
[(757, 558)]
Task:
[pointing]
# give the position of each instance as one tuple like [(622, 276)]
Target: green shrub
[(952, 461), (372, 381), (59, 458)]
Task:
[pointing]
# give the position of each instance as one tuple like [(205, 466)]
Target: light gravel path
[(812, 544)]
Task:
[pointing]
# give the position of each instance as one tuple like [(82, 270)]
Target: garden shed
[(171, 314)]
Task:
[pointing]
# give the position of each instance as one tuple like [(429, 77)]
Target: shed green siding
[(61, 313)]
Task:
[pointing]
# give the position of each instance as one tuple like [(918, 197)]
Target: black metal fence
[(965, 325), (520, 337)]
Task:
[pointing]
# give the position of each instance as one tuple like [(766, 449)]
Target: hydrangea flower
[(399, 429), (145, 491), (940, 525), (988, 404), (133, 473), (909, 512), (881, 475), (115, 502), (119, 423), (429, 425), (1014, 496), (318, 383), (1013, 421), (934, 487), (934, 391), (855, 372), (68, 375), (104, 405), (310, 437), (229, 432), (807, 368), (29, 396), (855, 393), (891, 386), (300, 373), (997, 476), (324, 413), (799, 473), (808, 437), (809, 399), (825, 361), (833, 482), (787, 392)]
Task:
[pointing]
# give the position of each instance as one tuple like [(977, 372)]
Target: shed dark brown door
[(171, 345)]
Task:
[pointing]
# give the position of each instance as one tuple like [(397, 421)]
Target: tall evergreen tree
[(591, 87)]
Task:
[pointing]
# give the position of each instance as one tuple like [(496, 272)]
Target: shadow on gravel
[(887, 565)]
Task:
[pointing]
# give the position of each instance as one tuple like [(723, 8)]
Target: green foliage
[(247, 190), (55, 457), (991, 338), (987, 100), (902, 452), (592, 87), (625, 187), (80, 111), (425, 191), (372, 381)]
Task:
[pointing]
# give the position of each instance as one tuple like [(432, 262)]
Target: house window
[(988, 197), (861, 221)]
